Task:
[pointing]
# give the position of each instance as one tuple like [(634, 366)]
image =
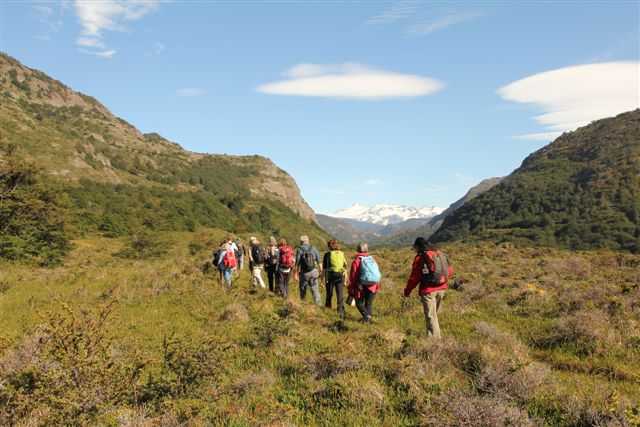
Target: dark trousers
[(365, 303), (283, 283), (335, 281), (271, 275)]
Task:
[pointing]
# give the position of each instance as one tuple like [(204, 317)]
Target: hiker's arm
[(353, 276), (414, 278), (317, 255)]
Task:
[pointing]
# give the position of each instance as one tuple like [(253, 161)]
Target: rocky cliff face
[(73, 137)]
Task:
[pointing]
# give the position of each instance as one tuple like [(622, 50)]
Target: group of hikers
[(430, 273)]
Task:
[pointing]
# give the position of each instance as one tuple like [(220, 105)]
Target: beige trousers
[(431, 306)]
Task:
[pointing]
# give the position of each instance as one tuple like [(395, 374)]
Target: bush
[(143, 246)]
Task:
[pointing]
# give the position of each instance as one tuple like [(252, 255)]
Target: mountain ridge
[(385, 214), (115, 180), (582, 191)]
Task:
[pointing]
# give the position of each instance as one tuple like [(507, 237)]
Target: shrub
[(143, 245)]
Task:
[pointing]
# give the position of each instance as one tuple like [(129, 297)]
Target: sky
[(366, 102)]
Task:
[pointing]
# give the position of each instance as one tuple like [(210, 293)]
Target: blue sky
[(362, 102)]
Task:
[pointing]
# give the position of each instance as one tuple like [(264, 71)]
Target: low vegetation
[(531, 337)]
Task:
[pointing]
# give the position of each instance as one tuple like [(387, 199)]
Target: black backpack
[(240, 249), (307, 260), (216, 257), (436, 270), (257, 254)]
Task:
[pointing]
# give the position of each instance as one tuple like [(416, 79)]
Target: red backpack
[(229, 260), (286, 256)]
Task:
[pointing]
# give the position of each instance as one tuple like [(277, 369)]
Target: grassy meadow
[(530, 337)]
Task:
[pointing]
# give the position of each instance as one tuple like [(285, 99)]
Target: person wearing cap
[(306, 269), (271, 261), (256, 262), (427, 262)]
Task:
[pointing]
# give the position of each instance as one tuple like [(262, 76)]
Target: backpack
[(336, 261), (257, 254), (286, 257), (307, 260), (216, 257), (229, 260), (272, 256), (369, 271), (436, 269), (240, 248)]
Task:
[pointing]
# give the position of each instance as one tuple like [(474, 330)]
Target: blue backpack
[(369, 271)]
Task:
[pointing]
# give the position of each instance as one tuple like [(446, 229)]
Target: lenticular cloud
[(574, 96), (350, 80)]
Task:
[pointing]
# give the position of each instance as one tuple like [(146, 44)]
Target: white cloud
[(543, 136), (430, 24), (372, 181), (158, 48), (421, 19), (100, 53), (96, 17), (397, 12), (46, 37), (190, 92), (48, 16), (464, 178), (333, 191), (574, 96), (350, 80)]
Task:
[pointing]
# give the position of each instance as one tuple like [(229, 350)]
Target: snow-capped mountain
[(386, 214)]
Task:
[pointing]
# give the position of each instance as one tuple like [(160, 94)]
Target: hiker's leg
[(329, 295), (285, 284), (339, 286), (227, 276), (370, 296), (315, 291), (302, 283), (360, 305), (259, 275), (430, 307)]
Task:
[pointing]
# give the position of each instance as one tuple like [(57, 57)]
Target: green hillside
[(582, 192), (111, 179)]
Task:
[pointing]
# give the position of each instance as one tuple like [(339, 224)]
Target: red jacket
[(416, 275), (354, 278)]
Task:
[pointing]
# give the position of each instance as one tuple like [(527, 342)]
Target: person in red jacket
[(363, 295), (431, 271)]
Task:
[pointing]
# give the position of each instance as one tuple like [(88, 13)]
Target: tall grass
[(530, 337)]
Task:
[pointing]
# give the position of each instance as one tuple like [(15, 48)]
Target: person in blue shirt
[(307, 269)]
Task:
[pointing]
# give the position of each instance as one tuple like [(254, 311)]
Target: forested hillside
[(110, 178), (582, 192)]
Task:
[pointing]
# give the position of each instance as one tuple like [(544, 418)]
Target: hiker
[(364, 281), (233, 247), (335, 266), (215, 260), (240, 247), (431, 270), (271, 261), (226, 263), (256, 261), (285, 264), (306, 271)]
